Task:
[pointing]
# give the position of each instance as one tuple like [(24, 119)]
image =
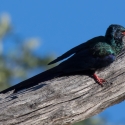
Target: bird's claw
[(99, 80)]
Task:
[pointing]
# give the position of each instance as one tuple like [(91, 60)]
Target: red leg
[(99, 80)]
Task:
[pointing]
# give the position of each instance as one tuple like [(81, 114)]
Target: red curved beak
[(123, 33)]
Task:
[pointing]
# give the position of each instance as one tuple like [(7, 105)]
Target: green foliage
[(92, 121), (17, 58)]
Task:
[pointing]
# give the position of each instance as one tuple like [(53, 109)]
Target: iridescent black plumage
[(110, 43), (95, 54)]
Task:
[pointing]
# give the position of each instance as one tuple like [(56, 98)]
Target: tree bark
[(64, 100)]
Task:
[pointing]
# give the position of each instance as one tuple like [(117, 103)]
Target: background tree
[(17, 58)]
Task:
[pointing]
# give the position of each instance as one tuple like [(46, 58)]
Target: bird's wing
[(68, 53), (102, 49), (96, 56), (78, 62), (77, 49)]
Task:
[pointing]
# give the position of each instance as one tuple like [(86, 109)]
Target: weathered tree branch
[(64, 100)]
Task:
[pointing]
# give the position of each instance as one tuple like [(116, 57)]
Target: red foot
[(99, 80)]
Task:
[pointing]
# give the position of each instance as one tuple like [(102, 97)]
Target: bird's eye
[(119, 34)]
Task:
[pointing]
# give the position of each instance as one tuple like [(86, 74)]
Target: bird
[(95, 54), (91, 56)]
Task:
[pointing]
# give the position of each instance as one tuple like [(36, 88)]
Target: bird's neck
[(116, 45)]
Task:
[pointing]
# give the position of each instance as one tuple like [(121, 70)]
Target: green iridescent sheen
[(100, 46)]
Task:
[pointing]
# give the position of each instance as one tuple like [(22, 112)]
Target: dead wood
[(64, 100)]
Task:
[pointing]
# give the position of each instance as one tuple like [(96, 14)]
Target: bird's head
[(115, 33)]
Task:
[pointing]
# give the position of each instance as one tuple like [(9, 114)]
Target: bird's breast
[(105, 61)]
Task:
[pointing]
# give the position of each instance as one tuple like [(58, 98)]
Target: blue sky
[(63, 24)]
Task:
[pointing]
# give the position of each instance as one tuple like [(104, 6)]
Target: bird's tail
[(44, 76)]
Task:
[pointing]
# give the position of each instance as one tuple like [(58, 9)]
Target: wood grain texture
[(64, 100)]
